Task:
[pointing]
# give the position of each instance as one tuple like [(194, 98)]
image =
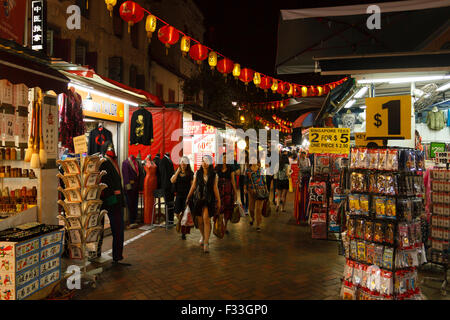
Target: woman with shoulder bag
[(205, 186), (182, 181), (256, 189)]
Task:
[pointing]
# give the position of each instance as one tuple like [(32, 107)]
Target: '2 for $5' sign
[(329, 140)]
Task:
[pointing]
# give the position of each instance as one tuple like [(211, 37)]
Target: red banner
[(12, 20), (165, 121)]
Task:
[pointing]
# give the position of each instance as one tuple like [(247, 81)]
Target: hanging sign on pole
[(388, 118)]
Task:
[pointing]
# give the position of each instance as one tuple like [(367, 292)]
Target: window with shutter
[(133, 74), (171, 95), (115, 67), (160, 90), (117, 20), (81, 50), (135, 36), (91, 60), (140, 81)]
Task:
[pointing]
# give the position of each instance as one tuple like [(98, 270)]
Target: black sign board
[(39, 25)]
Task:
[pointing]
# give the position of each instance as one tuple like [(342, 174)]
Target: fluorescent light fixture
[(404, 80), (234, 103), (418, 92), (349, 104), (99, 93), (361, 92), (363, 107), (444, 87)]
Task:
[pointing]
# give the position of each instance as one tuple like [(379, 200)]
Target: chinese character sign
[(38, 25)]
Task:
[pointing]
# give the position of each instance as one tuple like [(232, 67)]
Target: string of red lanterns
[(270, 125), (271, 105), (132, 13), (282, 122)]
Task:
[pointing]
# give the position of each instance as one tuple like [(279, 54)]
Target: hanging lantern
[(326, 89), (110, 5), (283, 88), (266, 83), (131, 12), (319, 90), (291, 90), (311, 91), (257, 79), (198, 53), (150, 26), (304, 91), (246, 75), (212, 59), (236, 70), (169, 36), (225, 66), (274, 85), (185, 45)]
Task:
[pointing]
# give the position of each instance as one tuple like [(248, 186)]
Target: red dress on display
[(150, 185)]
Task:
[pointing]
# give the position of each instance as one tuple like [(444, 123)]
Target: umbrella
[(305, 120)]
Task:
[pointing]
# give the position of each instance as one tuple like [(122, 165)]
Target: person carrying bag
[(257, 192)]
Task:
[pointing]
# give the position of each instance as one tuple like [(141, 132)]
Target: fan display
[(82, 205)]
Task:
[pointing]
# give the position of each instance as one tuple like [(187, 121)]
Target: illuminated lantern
[(274, 85), (246, 75), (283, 88), (297, 91), (198, 52), (266, 83), (169, 36), (304, 91), (326, 89), (110, 5), (236, 70), (131, 12), (257, 79), (150, 26), (212, 60), (291, 90), (225, 66), (185, 45), (319, 90)]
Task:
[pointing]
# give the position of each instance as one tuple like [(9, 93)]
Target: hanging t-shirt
[(141, 127), (97, 138)]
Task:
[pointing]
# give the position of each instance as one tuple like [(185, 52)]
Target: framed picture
[(92, 206), (70, 166), (71, 194), (70, 180), (93, 234), (75, 235), (92, 179), (94, 220), (71, 209), (92, 164), (75, 252)]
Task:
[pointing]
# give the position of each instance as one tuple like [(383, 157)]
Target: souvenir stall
[(31, 241)]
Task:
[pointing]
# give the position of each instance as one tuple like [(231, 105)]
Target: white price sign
[(443, 157)]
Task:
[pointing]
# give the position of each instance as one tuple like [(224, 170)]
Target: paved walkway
[(281, 262)]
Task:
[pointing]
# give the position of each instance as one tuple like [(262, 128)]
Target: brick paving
[(281, 262)]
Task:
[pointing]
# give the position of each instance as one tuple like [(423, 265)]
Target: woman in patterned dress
[(227, 189)]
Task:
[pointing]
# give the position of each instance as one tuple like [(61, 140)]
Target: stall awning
[(21, 65)]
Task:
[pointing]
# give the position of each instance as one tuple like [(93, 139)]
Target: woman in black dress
[(204, 207), (182, 179)]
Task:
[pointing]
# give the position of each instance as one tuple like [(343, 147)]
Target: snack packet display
[(351, 225), (420, 160), (373, 156), (353, 203), (353, 250), (348, 271), (391, 208), (382, 159), (389, 233), (364, 204), (390, 185), (378, 235), (379, 250), (372, 183), (370, 253), (388, 258), (357, 182), (374, 278), (386, 283), (354, 158), (380, 207), (348, 292), (381, 184), (361, 251), (368, 233), (403, 235), (359, 229), (392, 160), (363, 158)]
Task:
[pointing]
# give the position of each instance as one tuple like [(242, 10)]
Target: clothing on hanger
[(141, 127), (71, 122), (97, 138), (435, 120)]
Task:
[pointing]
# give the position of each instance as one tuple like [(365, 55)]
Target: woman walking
[(227, 189), (284, 173), (255, 180), (182, 179), (204, 207)]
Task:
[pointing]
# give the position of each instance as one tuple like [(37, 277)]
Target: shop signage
[(38, 25), (101, 107), (329, 140), (361, 141), (436, 147), (443, 157), (80, 144), (191, 128), (12, 20), (388, 118)]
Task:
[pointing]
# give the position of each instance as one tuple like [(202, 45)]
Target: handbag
[(261, 193), (219, 228), (236, 215), (266, 210), (187, 220)]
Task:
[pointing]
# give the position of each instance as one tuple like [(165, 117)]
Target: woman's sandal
[(206, 247)]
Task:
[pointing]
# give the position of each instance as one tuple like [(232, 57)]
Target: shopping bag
[(266, 211), (219, 227), (236, 215), (291, 187), (187, 220), (241, 209)]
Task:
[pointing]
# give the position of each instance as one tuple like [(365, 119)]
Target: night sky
[(246, 30)]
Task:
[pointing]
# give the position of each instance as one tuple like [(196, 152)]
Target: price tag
[(443, 157), (329, 140), (361, 141), (80, 144), (388, 118)]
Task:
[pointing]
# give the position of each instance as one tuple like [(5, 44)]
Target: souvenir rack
[(382, 243)]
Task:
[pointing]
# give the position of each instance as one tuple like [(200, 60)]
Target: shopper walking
[(284, 173), (227, 189), (302, 190), (182, 180), (204, 206), (255, 179), (241, 171)]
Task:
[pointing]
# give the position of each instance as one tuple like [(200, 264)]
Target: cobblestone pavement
[(281, 262)]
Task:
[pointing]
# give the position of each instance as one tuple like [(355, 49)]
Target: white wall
[(433, 135)]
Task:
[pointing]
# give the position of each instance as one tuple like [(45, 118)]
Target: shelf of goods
[(83, 217), (383, 241), (30, 259), (326, 195)]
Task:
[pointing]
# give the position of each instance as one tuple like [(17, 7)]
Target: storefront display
[(141, 127), (383, 241)]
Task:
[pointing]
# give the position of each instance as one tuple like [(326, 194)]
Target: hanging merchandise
[(141, 127), (383, 240), (71, 122), (436, 119), (97, 138), (131, 173)]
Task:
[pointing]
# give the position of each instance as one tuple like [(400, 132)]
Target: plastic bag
[(219, 227), (236, 215), (187, 220), (241, 209)]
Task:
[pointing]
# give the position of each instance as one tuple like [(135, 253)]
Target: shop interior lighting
[(349, 104), (444, 87), (405, 80), (99, 93), (234, 103), (241, 144), (363, 107), (361, 93)]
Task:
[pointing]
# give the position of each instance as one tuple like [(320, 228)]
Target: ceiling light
[(363, 107), (444, 87), (349, 104), (99, 93), (406, 79), (361, 92)]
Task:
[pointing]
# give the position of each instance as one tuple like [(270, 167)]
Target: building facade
[(104, 44)]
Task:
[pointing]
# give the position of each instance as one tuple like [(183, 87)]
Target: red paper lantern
[(266, 83), (246, 75), (168, 35), (326, 89), (225, 66), (311, 91), (297, 91), (283, 88), (131, 12), (198, 53)]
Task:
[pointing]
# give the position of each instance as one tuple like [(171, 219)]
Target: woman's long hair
[(284, 160), (218, 167), (211, 173), (189, 173)]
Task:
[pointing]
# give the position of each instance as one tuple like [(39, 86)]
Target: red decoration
[(168, 35), (283, 88), (198, 53), (326, 89), (246, 75), (311, 91), (131, 12), (266, 83), (297, 91), (225, 66)]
